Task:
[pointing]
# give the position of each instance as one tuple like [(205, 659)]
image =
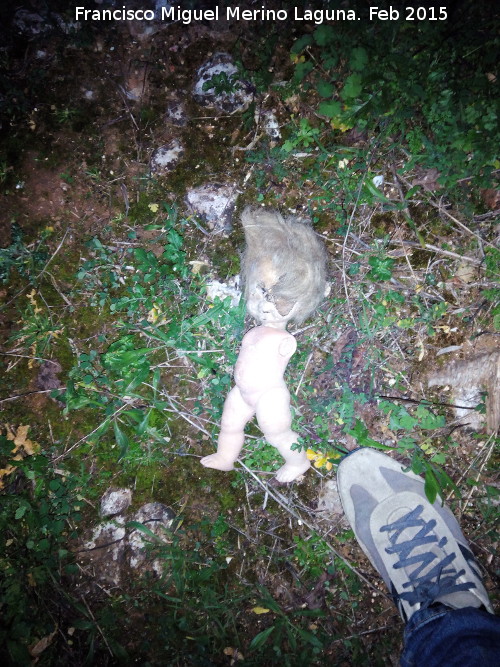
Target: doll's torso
[(264, 356)]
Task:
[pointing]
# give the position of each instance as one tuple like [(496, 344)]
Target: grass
[(252, 574)]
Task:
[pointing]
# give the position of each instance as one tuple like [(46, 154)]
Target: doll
[(284, 271)]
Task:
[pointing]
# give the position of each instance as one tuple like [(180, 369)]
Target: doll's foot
[(218, 462), (288, 472)]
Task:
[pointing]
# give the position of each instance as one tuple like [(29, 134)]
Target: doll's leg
[(275, 420), (235, 416)]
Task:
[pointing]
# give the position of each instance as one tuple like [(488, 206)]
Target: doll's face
[(261, 307)]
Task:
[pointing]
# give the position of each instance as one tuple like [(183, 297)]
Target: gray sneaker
[(418, 548)]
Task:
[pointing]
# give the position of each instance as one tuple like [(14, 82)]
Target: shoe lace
[(427, 585)]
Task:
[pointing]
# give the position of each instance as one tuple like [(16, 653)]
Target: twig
[(28, 393), (425, 402), (306, 523), (303, 372), (98, 627), (23, 289), (85, 437), (464, 504), (433, 248), (466, 471)]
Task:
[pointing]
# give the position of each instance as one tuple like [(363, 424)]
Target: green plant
[(424, 457), (37, 331), (122, 385), (414, 91), (289, 633), (40, 512), (304, 135), (312, 554), (26, 260), (64, 116), (222, 83), (492, 294)]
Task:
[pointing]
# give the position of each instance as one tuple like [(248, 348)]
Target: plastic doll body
[(284, 270), (261, 390)]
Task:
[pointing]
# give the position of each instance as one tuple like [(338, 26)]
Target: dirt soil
[(76, 160)]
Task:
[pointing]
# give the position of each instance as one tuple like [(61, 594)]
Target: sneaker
[(418, 548)]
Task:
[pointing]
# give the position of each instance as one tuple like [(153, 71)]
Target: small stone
[(165, 158), (30, 24), (214, 203), (105, 550), (157, 518), (216, 289), (115, 501), (176, 114), (270, 124), (217, 85)]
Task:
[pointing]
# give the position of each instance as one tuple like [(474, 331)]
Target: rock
[(158, 519), (469, 379), (214, 203), (216, 289), (30, 24), (106, 550), (270, 123), (115, 501), (176, 113), (217, 85), (165, 158)]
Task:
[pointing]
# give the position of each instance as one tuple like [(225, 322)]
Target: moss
[(382, 224)]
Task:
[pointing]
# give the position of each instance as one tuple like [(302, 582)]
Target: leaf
[(20, 512), (360, 433), (121, 439), (352, 87), (359, 59), (302, 70), (431, 486), (39, 647), (381, 267), (428, 420), (330, 109), (325, 88), (260, 610), (324, 35), (144, 529), (310, 638), (261, 638), (301, 44)]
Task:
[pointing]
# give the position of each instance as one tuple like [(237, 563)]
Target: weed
[(64, 116), (312, 554), (407, 91), (27, 261), (123, 384), (222, 83), (40, 510), (37, 331)]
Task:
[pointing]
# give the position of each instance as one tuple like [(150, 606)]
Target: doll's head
[(284, 267)]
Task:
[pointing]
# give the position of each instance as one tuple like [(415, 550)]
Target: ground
[(119, 363)]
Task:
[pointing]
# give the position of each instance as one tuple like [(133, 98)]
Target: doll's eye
[(266, 293)]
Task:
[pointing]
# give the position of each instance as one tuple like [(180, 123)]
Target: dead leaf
[(347, 337), (427, 179), (465, 272), (260, 610), (491, 198), (20, 439), (37, 649)]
